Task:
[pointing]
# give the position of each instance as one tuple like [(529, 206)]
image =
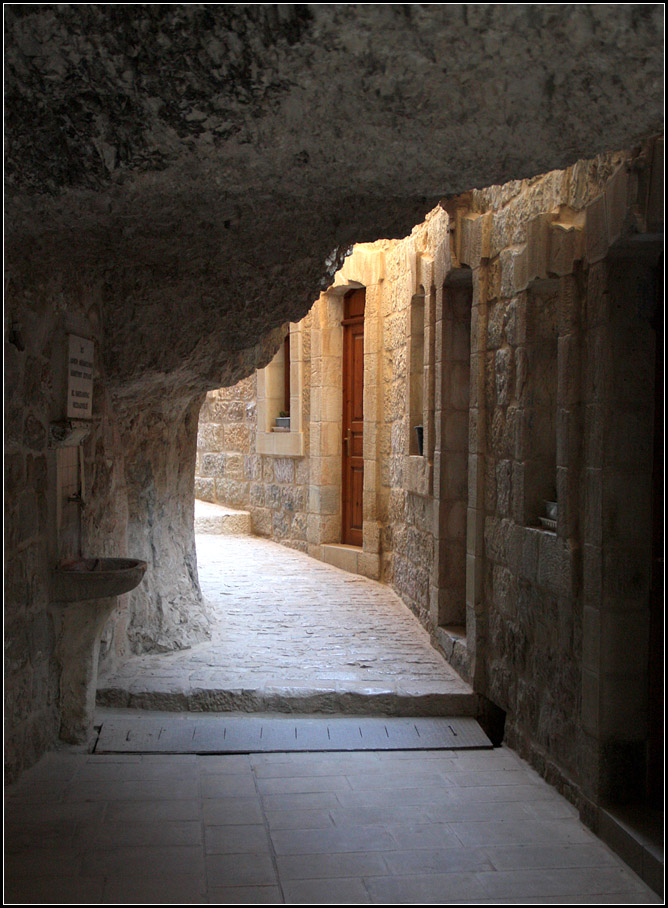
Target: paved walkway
[(293, 634), (413, 827)]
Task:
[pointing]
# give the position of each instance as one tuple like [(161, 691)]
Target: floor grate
[(223, 735)]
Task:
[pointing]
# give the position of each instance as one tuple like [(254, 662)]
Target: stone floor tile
[(500, 832), (285, 818), (423, 797), (225, 764), (39, 792), (331, 841), (420, 888), (146, 790), (478, 760), (54, 767), (59, 862), (506, 776), (559, 808), (237, 785), (304, 784), (152, 811), (491, 794), (414, 836), (181, 889), (237, 840), (64, 890), (129, 772), (318, 764), (608, 898), (182, 760), (436, 860), (227, 870), (245, 895), (231, 811), (326, 892), (533, 857), (379, 815), (171, 832), (146, 862), (525, 884), (391, 781), (316, 800), (330, 866)]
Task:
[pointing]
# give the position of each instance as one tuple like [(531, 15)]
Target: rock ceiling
[(206, 166)]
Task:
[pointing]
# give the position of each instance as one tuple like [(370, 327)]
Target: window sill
[(280, 444)]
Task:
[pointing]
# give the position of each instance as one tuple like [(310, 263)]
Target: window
[(416, 375), (279, 391)]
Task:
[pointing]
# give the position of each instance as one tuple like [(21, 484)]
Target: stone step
[(218, 520), (361, 699)]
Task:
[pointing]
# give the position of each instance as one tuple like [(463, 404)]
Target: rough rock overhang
[(203, 163)]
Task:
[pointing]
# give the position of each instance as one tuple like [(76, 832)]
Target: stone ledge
[(362, 699), (280, 444)]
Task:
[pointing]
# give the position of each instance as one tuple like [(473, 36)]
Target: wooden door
[(353, 417)]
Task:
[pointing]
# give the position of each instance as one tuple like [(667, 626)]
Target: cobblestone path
[(292, 633)]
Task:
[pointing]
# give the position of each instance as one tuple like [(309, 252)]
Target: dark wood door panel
[(353, 417)]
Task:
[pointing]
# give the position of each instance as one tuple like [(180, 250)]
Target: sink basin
[(96, 578)]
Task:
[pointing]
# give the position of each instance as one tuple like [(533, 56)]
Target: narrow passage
[(291, 633)]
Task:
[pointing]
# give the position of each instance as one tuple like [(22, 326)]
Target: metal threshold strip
[(222, 735)]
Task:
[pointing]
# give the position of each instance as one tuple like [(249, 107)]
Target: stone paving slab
[(293, 827), (292, 634), (224, 734)]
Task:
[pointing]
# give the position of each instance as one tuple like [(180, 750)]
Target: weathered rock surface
[(206, 162)]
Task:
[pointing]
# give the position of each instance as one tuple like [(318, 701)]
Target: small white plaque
[(80, 378)]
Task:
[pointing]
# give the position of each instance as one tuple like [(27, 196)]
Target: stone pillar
[(160, 444)]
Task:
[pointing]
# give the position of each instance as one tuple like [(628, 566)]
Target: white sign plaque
[(80, 378)]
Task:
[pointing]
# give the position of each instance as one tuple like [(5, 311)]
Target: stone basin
[(96, 578)]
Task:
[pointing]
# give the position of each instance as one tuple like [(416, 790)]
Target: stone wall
[(516, 303), (225, 442), (230, 471)]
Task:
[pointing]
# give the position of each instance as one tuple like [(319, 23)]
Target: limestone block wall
[(230, 469), (225, 442), (511, 325), (556, 414)]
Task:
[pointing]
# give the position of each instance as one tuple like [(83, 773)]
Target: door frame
[(352, 396)]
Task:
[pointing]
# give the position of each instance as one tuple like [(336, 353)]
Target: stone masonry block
[(554, 565), (566, 242), (205, 489), (213, 465), (237, 438), (538, 246), (596, 237), (210, 437), (284, 470), (261, 522), (514, 275), (616, 203), (234, 466)]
